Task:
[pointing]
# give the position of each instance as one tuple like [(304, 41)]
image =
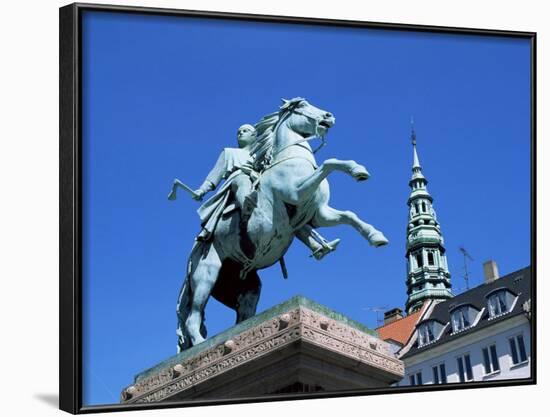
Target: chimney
[(490, 271), (392, 315)]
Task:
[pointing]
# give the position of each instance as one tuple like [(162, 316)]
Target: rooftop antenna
[(467, 258), (377, 310)]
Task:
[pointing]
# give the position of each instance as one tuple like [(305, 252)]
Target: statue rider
[(235, 166)]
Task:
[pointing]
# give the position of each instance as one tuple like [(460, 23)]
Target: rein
[(299, 143)]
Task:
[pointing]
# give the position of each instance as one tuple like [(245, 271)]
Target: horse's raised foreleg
[(327, 216), (203, 278), (310, 184)]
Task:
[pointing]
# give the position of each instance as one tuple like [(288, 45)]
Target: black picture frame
[(70, 202)]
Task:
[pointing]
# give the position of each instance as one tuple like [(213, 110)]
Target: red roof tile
[(400, 330)]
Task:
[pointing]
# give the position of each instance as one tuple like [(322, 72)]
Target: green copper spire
[(428, 276)]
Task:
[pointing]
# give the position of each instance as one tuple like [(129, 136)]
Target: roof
[(518, 282), (400, 330)]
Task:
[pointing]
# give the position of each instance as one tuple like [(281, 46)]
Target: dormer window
[(428, 332), (462, 317), (499, 302)]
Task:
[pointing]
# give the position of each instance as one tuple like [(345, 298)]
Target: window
[(497, 303), (443, 260), (460, 318), (416, 379), (431, 258), (517, 349), (419, 261), (426, 333), (464, 368), (440, 374), (490, 359), (424, 207)]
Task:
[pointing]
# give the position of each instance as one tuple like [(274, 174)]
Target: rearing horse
[(292, 192)]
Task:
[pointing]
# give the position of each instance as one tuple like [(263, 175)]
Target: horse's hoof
[(360, 173), (197, 340), (378, 239)]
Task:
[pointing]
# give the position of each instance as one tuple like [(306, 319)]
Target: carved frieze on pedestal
[(297, 346)]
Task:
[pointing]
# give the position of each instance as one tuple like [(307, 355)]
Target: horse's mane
[(262, 149)]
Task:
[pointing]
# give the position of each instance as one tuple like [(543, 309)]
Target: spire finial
[(413, 133), (416, 162)]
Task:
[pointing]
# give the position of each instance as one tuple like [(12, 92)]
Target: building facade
[(482, 334)]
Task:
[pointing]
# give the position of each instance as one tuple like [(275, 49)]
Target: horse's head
[(296, 115), (305, 119)]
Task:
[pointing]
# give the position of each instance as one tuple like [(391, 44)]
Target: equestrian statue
[(273, 191)]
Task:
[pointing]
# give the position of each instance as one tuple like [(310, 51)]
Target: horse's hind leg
[(247, 301), (183, 306), (327, 216), (203, 279), (182, 311)]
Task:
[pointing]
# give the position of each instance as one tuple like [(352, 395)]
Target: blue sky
[(163, 95)]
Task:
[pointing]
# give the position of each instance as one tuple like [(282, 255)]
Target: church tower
[(428, 276)]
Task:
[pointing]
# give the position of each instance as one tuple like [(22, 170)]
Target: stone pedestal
[(298, 346)]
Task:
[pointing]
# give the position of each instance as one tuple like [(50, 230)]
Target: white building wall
[(485, 338)]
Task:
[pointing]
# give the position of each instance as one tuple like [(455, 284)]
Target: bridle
[(293, 109), (300, 142)]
